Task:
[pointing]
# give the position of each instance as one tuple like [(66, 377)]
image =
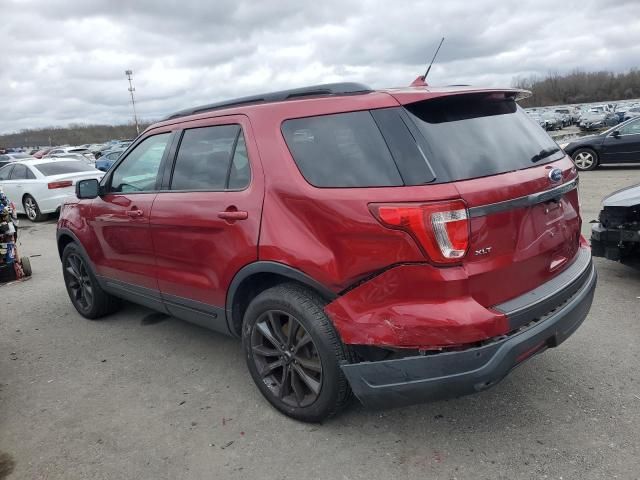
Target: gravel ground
[(143, 396)]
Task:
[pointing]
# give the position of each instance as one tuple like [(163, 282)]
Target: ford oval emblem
[(555, 175)]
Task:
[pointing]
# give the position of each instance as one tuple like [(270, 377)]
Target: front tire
[(85, 293), (294, 353), (585, 159), (31, 209)]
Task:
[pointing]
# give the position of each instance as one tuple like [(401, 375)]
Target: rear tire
[(585, 159), (294, 353), (31, 209), (85, 293)]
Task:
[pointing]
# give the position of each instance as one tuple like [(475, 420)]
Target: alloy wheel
[(31, 209), (584, 160), (78, 281), (286, 358)]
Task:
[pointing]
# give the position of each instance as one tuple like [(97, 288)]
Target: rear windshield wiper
[(547, 152)]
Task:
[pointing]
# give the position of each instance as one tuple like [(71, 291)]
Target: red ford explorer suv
[(401, 245)]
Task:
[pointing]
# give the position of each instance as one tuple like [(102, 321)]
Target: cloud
[(64, 60)]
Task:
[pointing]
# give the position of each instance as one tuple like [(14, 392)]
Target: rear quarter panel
[(328, 233)]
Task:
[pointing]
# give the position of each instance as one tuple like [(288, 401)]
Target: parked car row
[(587, 117), (38, 187), (549, 119)]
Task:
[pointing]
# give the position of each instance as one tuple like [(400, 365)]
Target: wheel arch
[(64, 237), (255, 278), (24, 196)]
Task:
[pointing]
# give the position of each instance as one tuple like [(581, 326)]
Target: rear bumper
[(53, 203), (450, 374)]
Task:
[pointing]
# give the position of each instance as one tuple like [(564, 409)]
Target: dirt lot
[(143, 396)]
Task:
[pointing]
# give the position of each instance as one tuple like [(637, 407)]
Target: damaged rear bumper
[(615, 243), (454, 373)]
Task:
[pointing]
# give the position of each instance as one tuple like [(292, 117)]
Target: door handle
[(233, 215), (135, 213)]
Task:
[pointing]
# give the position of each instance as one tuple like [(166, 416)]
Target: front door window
[(138, 172)]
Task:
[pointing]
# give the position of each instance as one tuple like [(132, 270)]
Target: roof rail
[(346, 88)]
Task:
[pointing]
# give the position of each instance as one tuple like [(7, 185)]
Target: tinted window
[(19, 173), (138, 172), (240, 173), (631, 128), (471, 136), (63, 166), (204, 157), (341, 150), (411, 161), (5, 172)]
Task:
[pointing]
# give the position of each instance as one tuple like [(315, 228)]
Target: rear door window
[(211, 159), (240, 171), (341, 150)]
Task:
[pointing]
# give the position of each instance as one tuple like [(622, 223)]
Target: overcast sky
[(63, 61)]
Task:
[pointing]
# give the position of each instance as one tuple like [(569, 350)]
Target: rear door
[(205, 222), (120, 220)]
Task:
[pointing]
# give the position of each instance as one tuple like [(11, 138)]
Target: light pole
[(129, 74)]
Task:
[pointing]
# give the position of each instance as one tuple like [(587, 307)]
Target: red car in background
[(41, 153), (402, 245)]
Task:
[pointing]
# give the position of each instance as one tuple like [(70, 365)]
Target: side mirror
[(615, 134), (88, 188)]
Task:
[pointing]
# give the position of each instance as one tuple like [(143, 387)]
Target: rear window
[(471, 136), (58, 168), (341, 150)]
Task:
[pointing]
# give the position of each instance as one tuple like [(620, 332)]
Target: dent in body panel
[(408, 306)]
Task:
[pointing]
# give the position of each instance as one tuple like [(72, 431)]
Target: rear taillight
[(441, 229), (60, 184)]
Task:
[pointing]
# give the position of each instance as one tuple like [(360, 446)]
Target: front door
[(124, 255), (624, 147), (206, 221)]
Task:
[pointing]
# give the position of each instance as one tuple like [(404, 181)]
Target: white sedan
[(38, 187)]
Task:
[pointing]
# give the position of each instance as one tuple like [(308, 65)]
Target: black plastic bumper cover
[(417, 379), (610, 242)]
